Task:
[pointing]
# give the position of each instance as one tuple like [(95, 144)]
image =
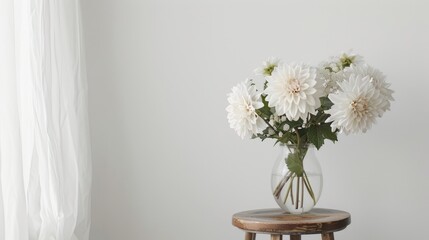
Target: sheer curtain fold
[(45, 168)]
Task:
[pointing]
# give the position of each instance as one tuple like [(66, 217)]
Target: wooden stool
[(278, 223)]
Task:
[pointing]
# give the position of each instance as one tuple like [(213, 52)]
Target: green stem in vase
[(302, 192), (289, 188), (281, 185), (294, 162), (297, 193), (309, 188)]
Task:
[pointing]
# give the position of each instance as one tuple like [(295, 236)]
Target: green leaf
[(327, 132), (303, 133), (294, 124), (326, 103), (318, 133), (294, 164), (262, 136), (287, 136), (315, 136), (264, 111)]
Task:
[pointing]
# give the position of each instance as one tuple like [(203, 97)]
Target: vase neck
[(302, 150), (296, 146)]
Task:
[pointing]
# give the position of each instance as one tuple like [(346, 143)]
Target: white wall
[(166, 164)]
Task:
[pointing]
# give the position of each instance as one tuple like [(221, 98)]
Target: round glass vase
[(296, 179)]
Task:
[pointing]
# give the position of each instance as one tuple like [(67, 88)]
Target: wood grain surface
[(278, 221)]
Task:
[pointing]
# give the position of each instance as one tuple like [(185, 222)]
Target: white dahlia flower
[(332, 65), (330, 80), (343, 61), (377, 80), (293, 90), (243, 102), (267, 67), (349, 58), (356, 105)]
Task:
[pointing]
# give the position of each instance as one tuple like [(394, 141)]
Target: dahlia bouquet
[(298, 104)]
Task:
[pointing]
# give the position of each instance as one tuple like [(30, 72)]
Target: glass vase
[(296, 179)]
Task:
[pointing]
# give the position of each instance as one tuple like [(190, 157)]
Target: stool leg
[(328, 236), (249, 236), (276, 237), (295, 237)]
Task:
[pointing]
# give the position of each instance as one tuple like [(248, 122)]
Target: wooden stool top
[(318, 220)]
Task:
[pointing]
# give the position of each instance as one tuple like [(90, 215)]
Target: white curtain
[(45, 168)]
